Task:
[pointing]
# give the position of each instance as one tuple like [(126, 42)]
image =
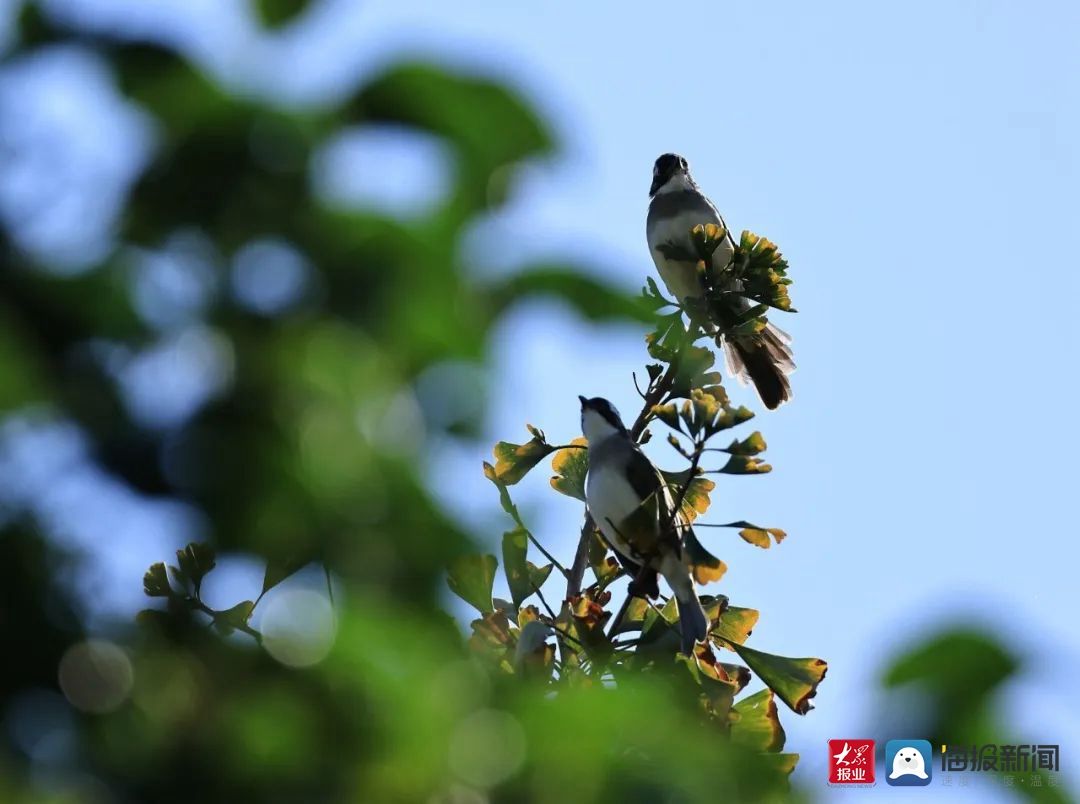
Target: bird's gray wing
[(646, 480)]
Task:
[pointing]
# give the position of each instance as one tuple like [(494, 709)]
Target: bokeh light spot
[(96, 676), (395, 170), (298, 627), (488, 747), (269, 276)]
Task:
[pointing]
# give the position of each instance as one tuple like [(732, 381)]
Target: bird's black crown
[(665, 167), (605, 409)]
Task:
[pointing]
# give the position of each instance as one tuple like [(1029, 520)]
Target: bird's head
[(599, 420), (669, 171)]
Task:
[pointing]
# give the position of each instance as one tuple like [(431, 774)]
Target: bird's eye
[(682, 163)]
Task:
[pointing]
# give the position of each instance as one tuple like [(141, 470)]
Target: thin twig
[(567, 634), (581, 558), (547, 555), (243, 627), (539, 594), (620, 614)]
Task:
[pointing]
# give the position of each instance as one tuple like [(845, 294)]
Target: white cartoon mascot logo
[(908, 762)]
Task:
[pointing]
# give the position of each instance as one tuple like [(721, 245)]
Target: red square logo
[(851, 762)]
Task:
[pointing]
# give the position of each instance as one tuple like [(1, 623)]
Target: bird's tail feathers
[(693, 624), (764, 360)]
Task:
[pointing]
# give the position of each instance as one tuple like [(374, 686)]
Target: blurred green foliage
[(949, 687), (276, 460)]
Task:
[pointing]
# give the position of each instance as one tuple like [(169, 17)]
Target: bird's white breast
[(611, 499), (680, 276)]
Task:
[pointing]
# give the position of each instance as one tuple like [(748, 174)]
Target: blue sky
[(917, 165)]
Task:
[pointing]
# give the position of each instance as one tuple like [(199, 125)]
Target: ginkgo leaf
[(634, 616), (515, 545), (744, 465), (156, 581), (504, 495), (782, 764), (696, 500), (236, 617), (794, 680), (736, 624), (570, 466), (756, 723), (753, 444), (719, 690), (537, 575), (737, 673), (471, 578), (195, 561), (755, 534), (669, 415), (278, 570), (606, 571), (513, 461), (706, 566)]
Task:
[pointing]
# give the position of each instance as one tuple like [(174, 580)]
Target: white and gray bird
[(677, 206), (619, 480)]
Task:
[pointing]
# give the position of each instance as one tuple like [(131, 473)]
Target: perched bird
[(632, 505), (677, 206)]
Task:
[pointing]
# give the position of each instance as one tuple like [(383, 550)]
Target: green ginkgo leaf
[(515, 546), (236, 617), (735, 625), (504, 495), (694, 362), (782, 764), (756, 723), (537, 575), (277, 570), (156, 581), (720, 692), (706, 566), (195, 561), (634, 618), (737, 673), (570, 466), (606, 571), (794, 680), (696, 500), (471, 578), (669, 415), (744, 465), (513, 461), (659, 631)]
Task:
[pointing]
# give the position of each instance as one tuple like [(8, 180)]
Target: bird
[(677, 205), (632, 506)]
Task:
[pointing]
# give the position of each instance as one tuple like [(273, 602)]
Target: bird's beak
[(657, 183), (584, 401)]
